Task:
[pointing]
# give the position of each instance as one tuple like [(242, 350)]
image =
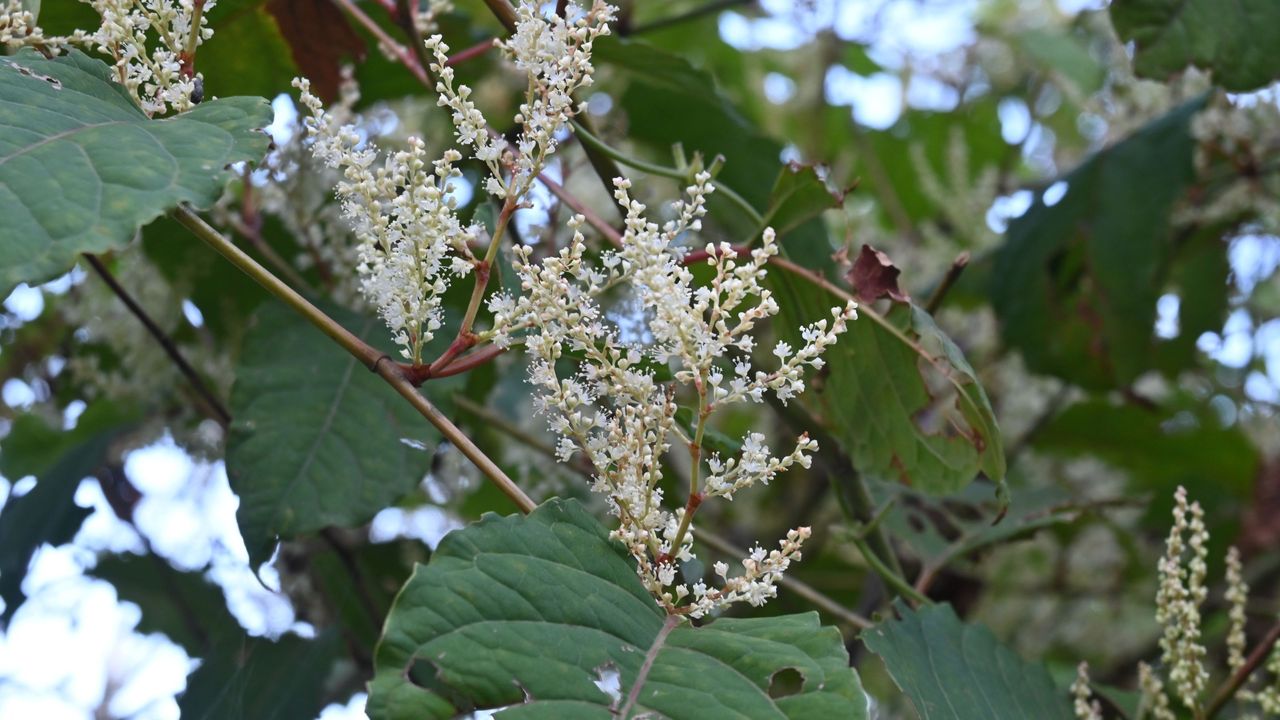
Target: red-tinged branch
[(187, 58), (650, 657), (404, 55), (1232, 685), (471, 53), (608, 231)]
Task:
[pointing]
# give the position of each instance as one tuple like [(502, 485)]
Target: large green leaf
[(951, 670), (317, 439), (82, 168), (534, 611), (48, 513), (1238, 40), (1160, 450), (1076, 282), (914, 414)]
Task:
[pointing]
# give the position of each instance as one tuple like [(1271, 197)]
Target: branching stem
[(372, 358)]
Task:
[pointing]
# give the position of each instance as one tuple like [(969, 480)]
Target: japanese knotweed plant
[(1182, 676), (611, 404)]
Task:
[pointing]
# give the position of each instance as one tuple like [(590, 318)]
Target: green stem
[(590, 140), (375, 360), (892, 579)]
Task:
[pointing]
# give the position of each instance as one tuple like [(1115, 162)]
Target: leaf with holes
[(544, 613), (317, 439), (82, 168), (950, 669), (1239, 40)]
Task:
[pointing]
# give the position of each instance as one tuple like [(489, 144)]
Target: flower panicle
[(410, 240), (614, 409)]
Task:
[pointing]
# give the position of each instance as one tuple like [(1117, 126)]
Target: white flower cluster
[(1236, 596), (1182, 591), (617, 411), (298, 190), (1084, 709), (148, 40), (404, 220), (427, 18), (555, 55), (411, 242), (18, 27), (1237, 141), (1154, 702)]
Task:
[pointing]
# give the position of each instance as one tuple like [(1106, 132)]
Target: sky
[(73, 640)]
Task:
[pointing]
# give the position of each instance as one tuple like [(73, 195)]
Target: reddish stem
[(419, 374), (691, 507), (471, 53)]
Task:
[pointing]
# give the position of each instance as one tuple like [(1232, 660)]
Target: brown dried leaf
[(875, 276)]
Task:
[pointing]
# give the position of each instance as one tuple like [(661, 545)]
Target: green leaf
[(247, 53), (317, 439), (532, 611), (950, 669), (1075, 284), (924, 421), (260, 679), (1239, 40), (1160, 450), (48, 513), (82, 168), (800, 194)]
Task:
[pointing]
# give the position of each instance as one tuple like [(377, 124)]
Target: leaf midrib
[(314, 450)]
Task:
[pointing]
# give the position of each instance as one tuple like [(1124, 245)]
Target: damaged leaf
[(875, 276), (545, 614)]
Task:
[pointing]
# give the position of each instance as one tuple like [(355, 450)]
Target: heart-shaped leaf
[(82, 168), (317, 439), (544, 613), (952, 670)]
